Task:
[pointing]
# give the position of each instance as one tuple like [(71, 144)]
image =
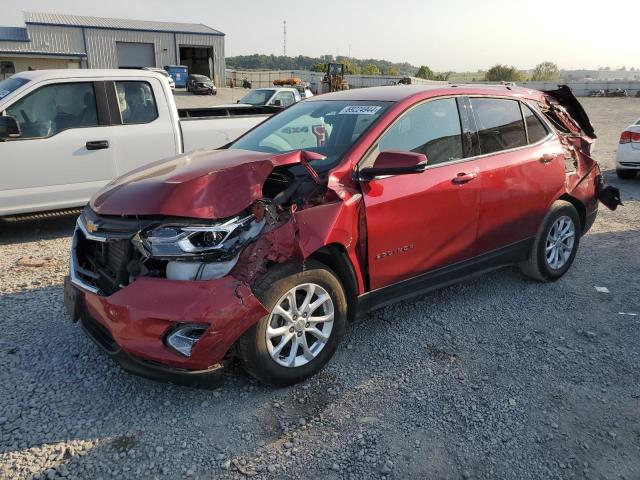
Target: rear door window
[(286, 98), (54, 108), (136, 102), (500, 125), (535, 128)]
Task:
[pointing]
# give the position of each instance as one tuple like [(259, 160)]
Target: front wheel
[(306, 322), (625, 173), (556, 244)]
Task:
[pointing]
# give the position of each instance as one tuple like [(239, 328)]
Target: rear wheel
[(306, 321), (556, 244), (625, 173)]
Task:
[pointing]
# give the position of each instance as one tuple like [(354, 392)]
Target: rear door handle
[(546, 158), (463, 178), (97, 145)]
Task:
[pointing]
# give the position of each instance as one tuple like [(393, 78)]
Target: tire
[(539, 266), (626, 174), (260, 355)]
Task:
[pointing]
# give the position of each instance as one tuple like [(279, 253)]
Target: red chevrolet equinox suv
[(265, 249)]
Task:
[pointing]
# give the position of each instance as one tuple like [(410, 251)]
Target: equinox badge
[(395, 251)]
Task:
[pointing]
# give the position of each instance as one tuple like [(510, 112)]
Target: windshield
[(200, 78), (257, 97), (11, 84), (327, 127)]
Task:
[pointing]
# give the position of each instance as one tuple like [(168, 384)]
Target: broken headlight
[(170, 241)]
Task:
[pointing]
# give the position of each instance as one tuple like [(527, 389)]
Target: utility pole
[(284, 38), (349, 50)]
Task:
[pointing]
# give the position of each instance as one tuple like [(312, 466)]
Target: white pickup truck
[(66, 133)]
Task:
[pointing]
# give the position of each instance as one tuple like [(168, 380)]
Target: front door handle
[(463, 178), (546, 158), (97, 145)]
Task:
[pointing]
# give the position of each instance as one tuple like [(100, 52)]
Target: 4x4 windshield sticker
[(360, 110), (4, 93)]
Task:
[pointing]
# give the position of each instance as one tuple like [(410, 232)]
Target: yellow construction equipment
[(333, 80)]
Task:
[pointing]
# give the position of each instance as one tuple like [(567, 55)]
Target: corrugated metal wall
[(48, 39), (101, 45), (265, 78), (102, 52)]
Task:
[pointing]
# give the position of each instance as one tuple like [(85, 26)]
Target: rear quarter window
[(535, 128), (500, 124)]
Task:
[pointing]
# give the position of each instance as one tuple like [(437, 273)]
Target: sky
[(458, 35)]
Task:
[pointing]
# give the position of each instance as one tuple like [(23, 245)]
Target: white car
[(64, 134), (276, 96), (164, 73), (628, 159)]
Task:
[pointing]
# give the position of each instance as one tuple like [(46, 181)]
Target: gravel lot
[(495, 378)]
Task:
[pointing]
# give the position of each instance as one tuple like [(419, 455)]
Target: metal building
[(68, 41)]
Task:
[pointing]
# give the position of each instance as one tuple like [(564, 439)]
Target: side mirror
[(395, 162), (277, 103), (237, 101), (9, 128)]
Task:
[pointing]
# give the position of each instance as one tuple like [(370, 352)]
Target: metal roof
[(14, 34), (117, 23)]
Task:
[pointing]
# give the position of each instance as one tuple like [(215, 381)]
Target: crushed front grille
[(103, 249), (106, 260)]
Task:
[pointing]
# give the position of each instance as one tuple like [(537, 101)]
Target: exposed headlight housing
[(199, 241)]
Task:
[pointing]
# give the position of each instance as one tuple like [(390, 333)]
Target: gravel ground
[(495, 378)]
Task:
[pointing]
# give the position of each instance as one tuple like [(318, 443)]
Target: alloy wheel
[(300, 325), (560, 242)]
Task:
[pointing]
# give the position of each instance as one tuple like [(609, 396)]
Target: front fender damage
[(294, 233)]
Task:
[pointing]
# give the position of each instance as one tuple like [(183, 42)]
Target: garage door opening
[(199, 60), (135, 55)]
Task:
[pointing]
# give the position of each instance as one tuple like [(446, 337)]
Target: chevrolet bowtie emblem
[(91, 227)]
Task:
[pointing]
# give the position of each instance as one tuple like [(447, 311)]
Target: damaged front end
[(152, 242), (180, 290)]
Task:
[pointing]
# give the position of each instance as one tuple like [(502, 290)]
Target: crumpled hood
[(207, 184)]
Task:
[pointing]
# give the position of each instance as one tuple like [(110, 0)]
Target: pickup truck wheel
[(556, 244), (625, 173), (308, 313)]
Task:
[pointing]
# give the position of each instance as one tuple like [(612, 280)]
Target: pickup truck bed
[(214, 127)]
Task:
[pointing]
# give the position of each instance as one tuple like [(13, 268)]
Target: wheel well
[(579, 206), (335, 257)]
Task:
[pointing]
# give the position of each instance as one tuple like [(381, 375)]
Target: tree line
[(353, 66), (545, 71)]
